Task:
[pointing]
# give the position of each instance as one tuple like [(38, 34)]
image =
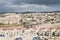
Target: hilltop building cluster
[(30, 26)]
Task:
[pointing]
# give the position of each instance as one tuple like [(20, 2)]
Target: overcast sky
[(29, 5)]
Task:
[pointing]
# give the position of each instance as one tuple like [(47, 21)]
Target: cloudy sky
[(29, 5)]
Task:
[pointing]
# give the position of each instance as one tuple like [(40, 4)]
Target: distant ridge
[(29, 12)]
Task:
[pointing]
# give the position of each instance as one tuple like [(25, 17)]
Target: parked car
[(36, 38), (18, 38), (2, 35)]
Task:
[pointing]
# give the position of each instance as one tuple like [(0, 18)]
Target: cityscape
[(30, 26), (29, 19)]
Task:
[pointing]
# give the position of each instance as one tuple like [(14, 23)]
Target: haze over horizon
[(29, 5)]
